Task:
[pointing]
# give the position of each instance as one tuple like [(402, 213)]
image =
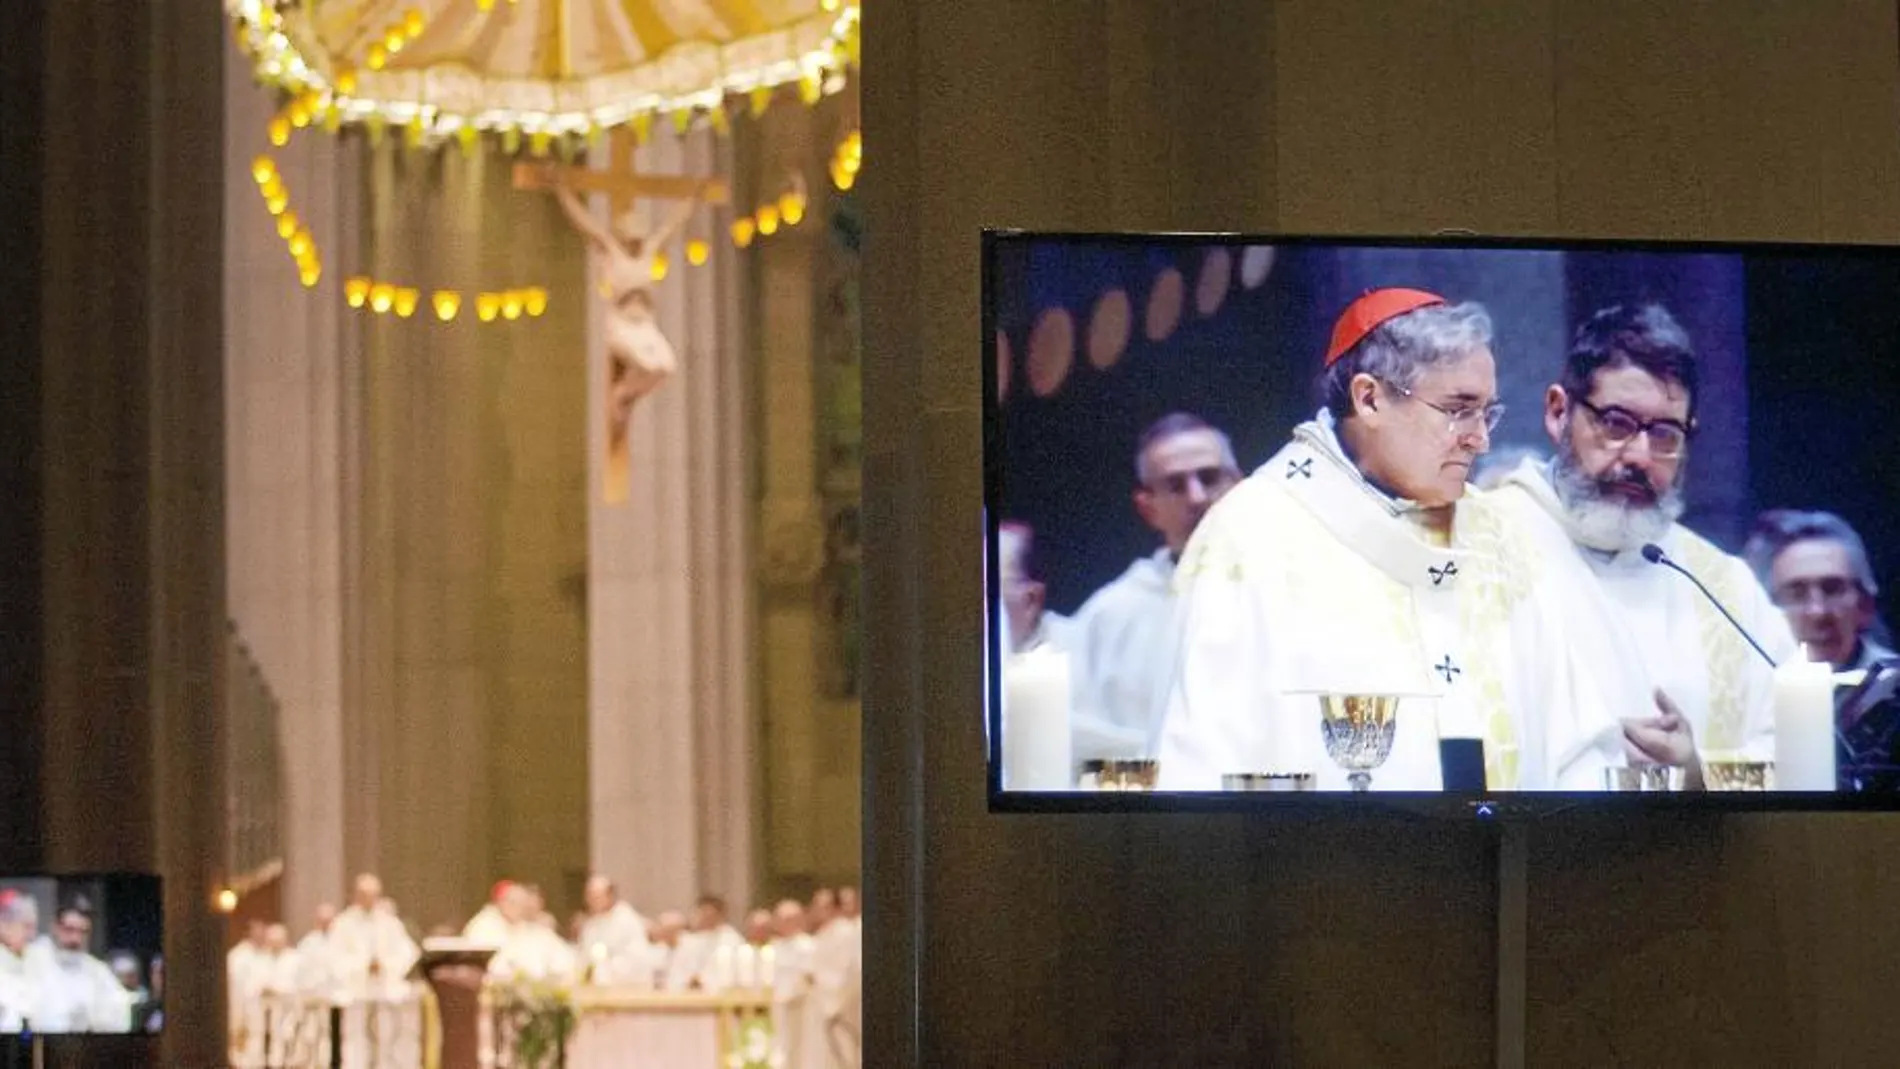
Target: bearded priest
[(1354, 563), (1622, 420)]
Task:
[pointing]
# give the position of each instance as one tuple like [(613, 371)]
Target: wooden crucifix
[(639, 357)]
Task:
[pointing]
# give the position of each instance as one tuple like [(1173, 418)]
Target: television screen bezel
[(1459, 805), (100, 1042)]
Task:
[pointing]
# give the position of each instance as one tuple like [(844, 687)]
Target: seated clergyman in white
[(1353, 563)]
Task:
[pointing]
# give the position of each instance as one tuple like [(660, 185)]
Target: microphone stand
[(1513, 939), (1654, 554)]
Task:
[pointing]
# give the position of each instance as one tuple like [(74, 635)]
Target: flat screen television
[(1291, 522), (80, 955)]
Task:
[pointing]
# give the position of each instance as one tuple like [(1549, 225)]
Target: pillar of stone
[(285, 350), (670, 662)]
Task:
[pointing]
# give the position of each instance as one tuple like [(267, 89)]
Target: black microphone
[(1654, 554)]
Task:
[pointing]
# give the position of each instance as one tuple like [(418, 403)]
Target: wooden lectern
[(455, 969)]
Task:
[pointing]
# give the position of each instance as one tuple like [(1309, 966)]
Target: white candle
[(1804, 725), (1036, 721)]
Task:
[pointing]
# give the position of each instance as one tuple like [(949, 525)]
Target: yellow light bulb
[(511, 303), (279, 131), (828, 5), (272, 187), (487, 307), (447, 303), (768, 219), (310, 275), (227, 901), (696, 252), (845, 179), (759, 100), (346, 83), (486, 5), (263, 168), (810, 89), (277, 204), (356, 291), (742, 231), (539, 142), (412, 22), (299, 115), (299, 242), (534, 300), (659, 267), (377, 57), (406, 299), (286, 225), (394, 40), (381, 296), (791, 207)]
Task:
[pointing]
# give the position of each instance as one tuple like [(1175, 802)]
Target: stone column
[(670, 754), (465, 752), (810, 772), (285, 353)]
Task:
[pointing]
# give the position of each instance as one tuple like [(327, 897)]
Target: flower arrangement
[(752, 1045), (540, 1016)]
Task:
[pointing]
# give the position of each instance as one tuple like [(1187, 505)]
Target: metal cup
[(1271, 782), (1739, 775), (1643, 778), (1121, 775)]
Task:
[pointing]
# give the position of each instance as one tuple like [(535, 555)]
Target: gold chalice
[(1359, 729), (1643, 778), (1120, 775), (1738, 775)]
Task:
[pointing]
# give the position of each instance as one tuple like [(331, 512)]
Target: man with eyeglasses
[(1622, 419), (1353, 564), (1122, 637), (1816, 570)]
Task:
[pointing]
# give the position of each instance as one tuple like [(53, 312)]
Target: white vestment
[(615, 942), (1306, 580), (797, 1026), (19, 989), (1654, 624), (837, 991), (1122, 654), (697, 957), (533, 952), (78, 993), (315, 973), (487, 927), (371, 953)]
